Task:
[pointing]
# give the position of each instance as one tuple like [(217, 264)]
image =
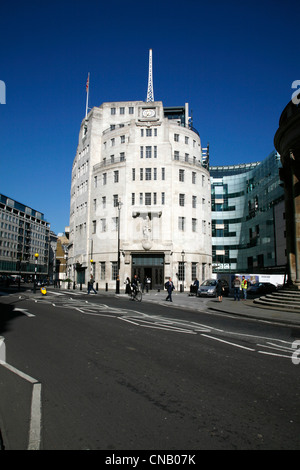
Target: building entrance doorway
[(149, 267)]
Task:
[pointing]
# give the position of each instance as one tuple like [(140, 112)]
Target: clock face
[(148, 112)]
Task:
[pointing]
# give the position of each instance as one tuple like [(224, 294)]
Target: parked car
[(261, 288), (208, 288)]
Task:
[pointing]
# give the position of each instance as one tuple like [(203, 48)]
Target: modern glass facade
[(247, 211)]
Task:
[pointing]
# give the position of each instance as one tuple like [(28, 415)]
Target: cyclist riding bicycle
[(134, 284)]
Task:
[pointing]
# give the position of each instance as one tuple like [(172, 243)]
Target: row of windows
[(182, 225), (121, 110), (145, 173), (186, 139), (147, 199)]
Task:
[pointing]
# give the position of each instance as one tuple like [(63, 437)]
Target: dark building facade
[(287, 143)]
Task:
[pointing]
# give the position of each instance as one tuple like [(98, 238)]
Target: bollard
[(106, 286)]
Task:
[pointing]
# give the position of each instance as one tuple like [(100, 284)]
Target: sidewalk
[(228, 306)]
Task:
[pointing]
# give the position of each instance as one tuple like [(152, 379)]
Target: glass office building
[(248, 226), (24, 233)]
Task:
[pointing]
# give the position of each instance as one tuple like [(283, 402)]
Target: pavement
[(243, 308)]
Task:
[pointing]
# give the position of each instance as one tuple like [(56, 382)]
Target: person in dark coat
[(170, 287), (127, 288), (219, 290)]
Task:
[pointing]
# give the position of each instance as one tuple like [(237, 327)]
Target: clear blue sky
[(232, 61)]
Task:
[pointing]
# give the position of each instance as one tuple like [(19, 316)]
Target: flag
[(87, 83)]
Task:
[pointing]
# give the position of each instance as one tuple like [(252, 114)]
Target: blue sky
[(233, 62)]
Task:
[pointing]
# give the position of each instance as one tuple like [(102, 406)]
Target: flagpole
[(87, 94)]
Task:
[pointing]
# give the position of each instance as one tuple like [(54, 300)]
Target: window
[(181, 200), (122, 110), (155, 174), (133, 174), (176, 155), (142, 152), (95, 181), (186, 140), (141, 174), (132, 199), (141, 199), (181, 223), (176, 137), (194, 270), (103, 225), (122, 156), (181, 273), (112, 111), (104, 179), (148, 151), (112, 142), (122, 137), (114, 270), (155, 151), (103, 202), (102, 270), (154, 198), (194, 225), (194, 202), (163, 173), (162, 199), (148, 174), (148, 132), (115, 200), (131, 110), (116, 176), (148, 199), (181, 175), (142, 132), (193, 177), (94, 226)]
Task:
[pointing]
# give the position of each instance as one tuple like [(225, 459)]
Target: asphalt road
[(120, 375)]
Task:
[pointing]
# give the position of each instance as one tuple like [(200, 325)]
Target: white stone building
[(139, 188)]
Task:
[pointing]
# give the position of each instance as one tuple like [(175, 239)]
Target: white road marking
[(228, 342), (25, 311)]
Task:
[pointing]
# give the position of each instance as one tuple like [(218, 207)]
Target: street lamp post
[(35, 269), (119, 204)]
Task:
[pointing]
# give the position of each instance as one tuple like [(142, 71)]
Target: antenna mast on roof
[(150, 93)]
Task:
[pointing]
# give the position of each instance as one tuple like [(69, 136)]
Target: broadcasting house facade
[(140, 197)]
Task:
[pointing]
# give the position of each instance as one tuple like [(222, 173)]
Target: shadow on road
[(7, 315)]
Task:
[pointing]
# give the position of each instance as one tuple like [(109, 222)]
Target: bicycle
[(136, 295)]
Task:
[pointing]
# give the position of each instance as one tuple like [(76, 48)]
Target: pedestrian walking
[(244, 288), (91, 285), (237, 287), (127, 286), (170, 287)]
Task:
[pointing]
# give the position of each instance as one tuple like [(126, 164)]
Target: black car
[(261, 288)]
